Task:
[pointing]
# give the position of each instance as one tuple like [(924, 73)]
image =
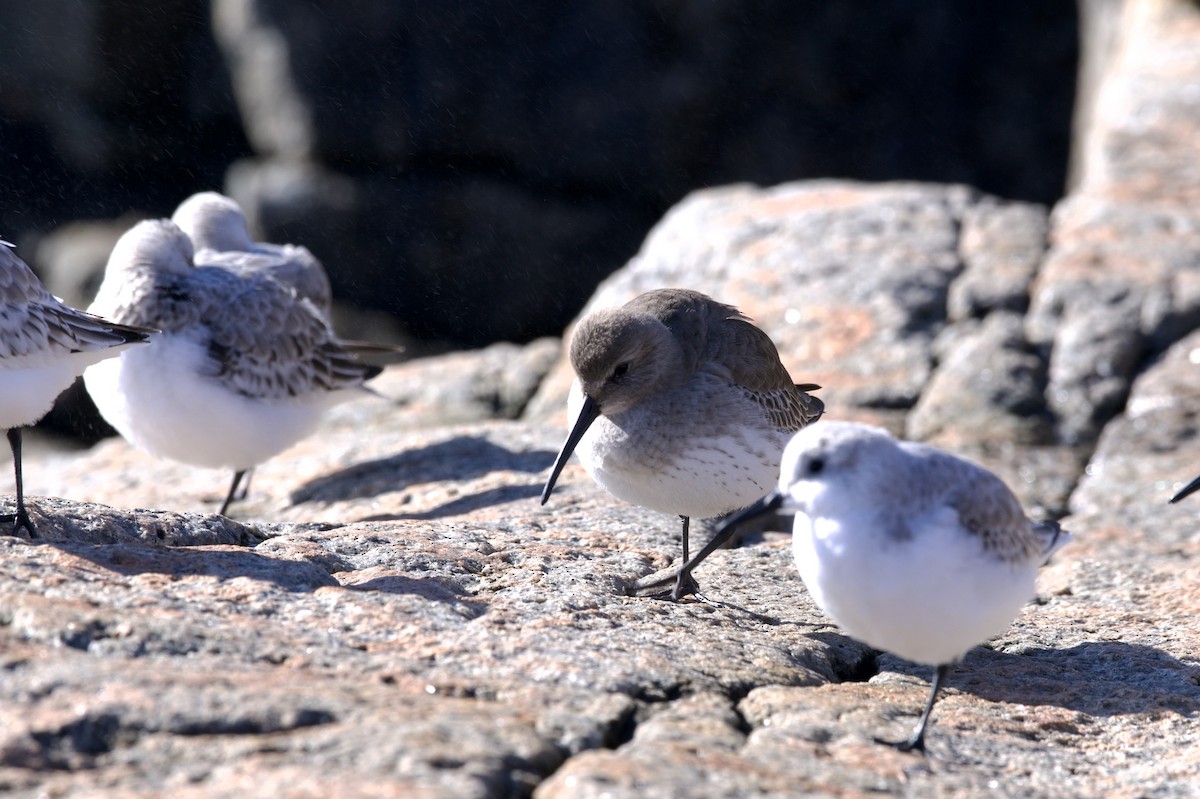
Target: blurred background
[(471, 170)]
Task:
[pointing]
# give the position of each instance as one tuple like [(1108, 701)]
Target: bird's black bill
[(1190, 488), (768, 504), (587, 415)]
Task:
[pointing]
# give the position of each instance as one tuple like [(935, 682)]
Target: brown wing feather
[(724, 338), (753, 363)]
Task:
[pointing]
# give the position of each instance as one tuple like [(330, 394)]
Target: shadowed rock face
[(393, 613), (429, 153)]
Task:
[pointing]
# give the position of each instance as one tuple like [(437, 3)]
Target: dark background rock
[(476, 168)]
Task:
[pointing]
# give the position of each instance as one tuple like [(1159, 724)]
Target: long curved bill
[(1187, 489), (587, 414), (768, 504)]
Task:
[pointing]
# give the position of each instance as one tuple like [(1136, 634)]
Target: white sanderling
[(906, 547), (44, 346), (244, 367), (681, 406), (221, 237), (217, 227)]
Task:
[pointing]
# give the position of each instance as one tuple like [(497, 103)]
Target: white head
[(213, 221), (155, 246), (148, 251), (831, 456)]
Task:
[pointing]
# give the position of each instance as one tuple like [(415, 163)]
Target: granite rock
[(1120, 282), (393, 613), (406, 619)]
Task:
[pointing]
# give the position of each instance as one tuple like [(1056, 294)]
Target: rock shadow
[(456, 459), (432, 589), (463, 505), (135, 559), (1099, 678)]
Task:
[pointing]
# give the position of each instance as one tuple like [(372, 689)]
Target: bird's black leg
[(244, 490), (233, 487), (916, 743), (21, 517), (685, 585)]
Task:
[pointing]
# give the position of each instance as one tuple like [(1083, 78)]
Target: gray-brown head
[(621, 357)]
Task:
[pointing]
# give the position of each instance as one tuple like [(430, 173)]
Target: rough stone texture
[(1001, 245), (393, 613), (430, 630), (1122, 279), (989, 385)]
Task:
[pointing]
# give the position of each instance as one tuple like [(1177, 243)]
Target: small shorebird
[(44, 346), (217, 223), (681, 405), (245, 365), (220, 237), (907, 548)]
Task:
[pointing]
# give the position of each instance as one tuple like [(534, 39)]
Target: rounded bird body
[(245, 366), (164, 400), (680, 404), (907, 548), (656, 455), (217, 228)]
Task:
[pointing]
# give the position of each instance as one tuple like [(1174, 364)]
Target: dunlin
[(44, 346), (244, 367), (681, 405), (906, 547)]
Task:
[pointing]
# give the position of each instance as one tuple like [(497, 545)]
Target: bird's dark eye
[(620, 371), (815, 465)]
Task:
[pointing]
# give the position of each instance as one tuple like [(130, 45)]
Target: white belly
[(157, 398), (30, 384), (672, 464), (927, 599)]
